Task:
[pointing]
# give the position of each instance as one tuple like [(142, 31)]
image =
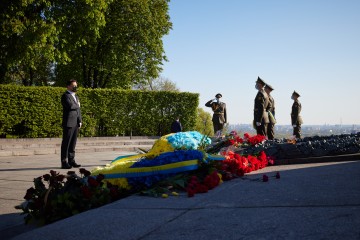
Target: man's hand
[(294, 125), (80, 124), (258, 124)]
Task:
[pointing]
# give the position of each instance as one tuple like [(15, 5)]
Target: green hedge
[(30, 112)]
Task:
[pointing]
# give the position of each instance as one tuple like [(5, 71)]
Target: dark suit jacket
[(176, 127), (71, 110)]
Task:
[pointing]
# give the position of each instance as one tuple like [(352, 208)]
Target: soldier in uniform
[(296, 119), (271, 112), (219, 116), (261, 118)]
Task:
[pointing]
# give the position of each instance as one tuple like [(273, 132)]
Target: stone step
[(27, 147), (24, 140), (79, 143), (46, 151)]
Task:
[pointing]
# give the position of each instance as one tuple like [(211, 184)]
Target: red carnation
[(265, 178), (191, 193), (240, 172), (246, 136), (86, 192), (85, 172), (60, 178), (92, 182), (29, 193), (100, 177), (46, 177), (201, 188)]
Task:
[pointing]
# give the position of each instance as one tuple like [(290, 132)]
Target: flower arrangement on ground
[(56, 196), (177, 162)]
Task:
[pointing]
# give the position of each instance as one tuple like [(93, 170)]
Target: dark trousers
[(68, 144), (218, 122), (262, 129), (270, 131), (297, 131), (218, 126)]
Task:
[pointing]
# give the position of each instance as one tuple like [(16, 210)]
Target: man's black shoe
[(74, 164), (65, 166)]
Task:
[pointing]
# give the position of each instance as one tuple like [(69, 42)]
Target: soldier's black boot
[(72, 163)]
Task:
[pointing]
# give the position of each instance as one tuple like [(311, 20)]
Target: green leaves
[(37, 111), (204, 123), (109, 43)]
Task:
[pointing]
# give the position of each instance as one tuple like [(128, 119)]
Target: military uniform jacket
[(219, 109), (295, 113), (71, 110), (260, 106), (271, 108)]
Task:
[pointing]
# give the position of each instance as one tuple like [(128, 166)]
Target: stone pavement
[(17, 174), (44, 146), (309, 201)]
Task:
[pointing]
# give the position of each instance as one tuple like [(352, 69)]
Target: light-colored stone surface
[(309, 201), (47, 146)]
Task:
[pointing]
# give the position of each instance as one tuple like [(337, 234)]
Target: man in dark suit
[(296, 119), (71, 123), (176, 126), (271, 112), (261, 118), (219, 116)]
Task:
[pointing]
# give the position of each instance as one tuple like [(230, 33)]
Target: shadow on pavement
[(331, 191), (13, 225)]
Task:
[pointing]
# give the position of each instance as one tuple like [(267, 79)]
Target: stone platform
[(309, 201), (45, 146)]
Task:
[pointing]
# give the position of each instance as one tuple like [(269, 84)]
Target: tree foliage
[(204, 122), (27, 42), (157, 84), (105, 112), (109, 43)]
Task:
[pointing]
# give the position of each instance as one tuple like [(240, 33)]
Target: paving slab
[(17, 174), (46, 146), (309, 201)]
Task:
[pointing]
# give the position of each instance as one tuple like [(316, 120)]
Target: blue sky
[(311, 46)]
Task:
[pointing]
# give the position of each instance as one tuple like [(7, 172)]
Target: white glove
[(80, 124), (294, 125), (258, 124)]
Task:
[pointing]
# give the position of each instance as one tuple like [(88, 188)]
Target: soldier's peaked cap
[(269, 87), (295, 93), (259, 80), (218, 95)]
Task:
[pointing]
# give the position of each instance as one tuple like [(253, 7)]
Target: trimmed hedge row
[(30, 112)]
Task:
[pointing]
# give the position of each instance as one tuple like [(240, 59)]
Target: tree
[(158, 84), (127, 50), (204, 123), (108, 43), (27, 40), (80, 33)]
